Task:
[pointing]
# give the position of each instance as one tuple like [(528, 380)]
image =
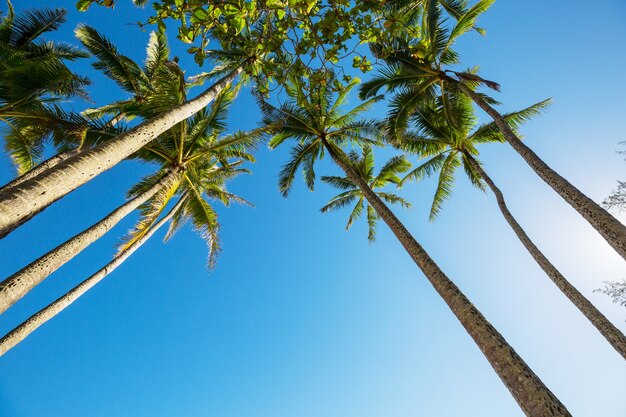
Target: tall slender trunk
[(22, 331), (29, 197), (534, 398), (615, 337), (38, 169), (45, 165), (611, 229), (19, 284)]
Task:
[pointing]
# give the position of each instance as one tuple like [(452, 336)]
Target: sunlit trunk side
[(22, 331), (611, 229), (20, 201), (527, 389), (19, 284), (614, 336), (45, 165), (38, 169)]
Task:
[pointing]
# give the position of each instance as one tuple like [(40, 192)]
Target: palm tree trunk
[(29, 197), (22, 331), (611, 229), (527, 389), (615, 337), (47, 164), (19, 284)]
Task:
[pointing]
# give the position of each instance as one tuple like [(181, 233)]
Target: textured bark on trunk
[(19, 284), (534, 398), (38, 169), (30, 196), (18, 334), (611, 229), (45, 165), (614, 336)]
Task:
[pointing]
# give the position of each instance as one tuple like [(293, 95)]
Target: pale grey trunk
[(29, 197), (614, 336), (18, 334), (613, 231), (38, 169), (19, 284), (534, 398)]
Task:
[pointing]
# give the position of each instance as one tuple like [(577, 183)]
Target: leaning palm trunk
[(528, 390), (44, 166), (47, 164), (615, 337), (19, 202), (611, 229), (19, 284), (22, 331)]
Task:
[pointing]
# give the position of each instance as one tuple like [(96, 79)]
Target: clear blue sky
[(303, 319)]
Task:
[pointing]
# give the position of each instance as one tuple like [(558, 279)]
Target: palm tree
[(315, 121), (363, 166), (203, 180), (160, 85), (33, 77), (198, 163), (21, 201), (449, 147), (418, 69), (165, 86), (189, 153)]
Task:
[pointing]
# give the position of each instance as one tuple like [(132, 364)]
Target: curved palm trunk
[(20, 283), (21, 201), (611, 229), (528, 390), (22, 331), (615, 337), (47, 164)]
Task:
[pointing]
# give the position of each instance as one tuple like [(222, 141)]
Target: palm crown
[(363, 165), (450, 146), (33, 71), (313, 116), (418, 67), (154, 88), (33, 78), (206, 159)]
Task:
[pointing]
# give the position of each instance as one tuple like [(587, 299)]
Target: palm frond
[(372, 219), (426, 169), (445, 183)]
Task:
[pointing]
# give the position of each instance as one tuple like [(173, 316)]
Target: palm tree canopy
[(448, 146), (154, 87), (33, 70), (418, 67), (207, 158), (313, 116), (363, 165), (33, 78)]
